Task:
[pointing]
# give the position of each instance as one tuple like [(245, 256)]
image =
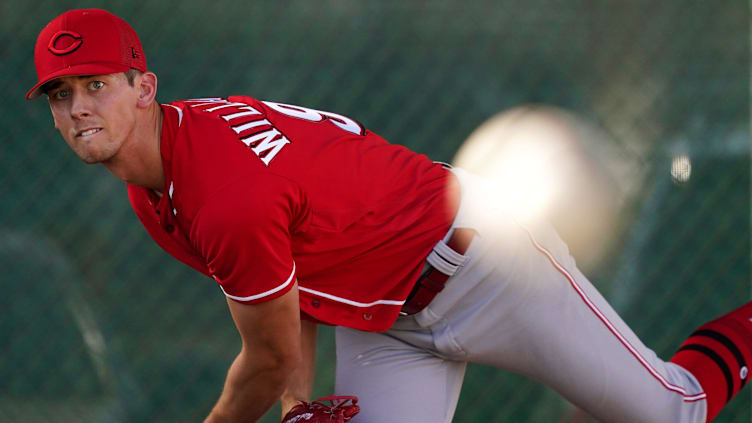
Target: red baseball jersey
[(259, 194)]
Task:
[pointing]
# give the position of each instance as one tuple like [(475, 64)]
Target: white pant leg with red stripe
[(519, 304)]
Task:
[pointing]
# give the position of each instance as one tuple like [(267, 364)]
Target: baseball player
[(305, 217)]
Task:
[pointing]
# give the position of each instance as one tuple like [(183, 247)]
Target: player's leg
[(396, 381), (521, 304), (719, 354)]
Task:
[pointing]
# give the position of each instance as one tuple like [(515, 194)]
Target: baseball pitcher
[(304, 217)]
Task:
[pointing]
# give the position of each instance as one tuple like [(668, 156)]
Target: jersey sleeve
[(243, 233)]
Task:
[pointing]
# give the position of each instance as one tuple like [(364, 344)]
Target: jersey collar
[(170, 125)]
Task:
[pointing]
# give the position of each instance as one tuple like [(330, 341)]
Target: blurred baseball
[(548, 163)]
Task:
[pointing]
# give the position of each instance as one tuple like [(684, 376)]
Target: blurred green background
[(97, 324)]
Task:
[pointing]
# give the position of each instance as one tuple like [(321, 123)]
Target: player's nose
[(80, 105)]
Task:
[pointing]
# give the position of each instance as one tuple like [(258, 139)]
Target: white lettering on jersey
[(266, 141), (296, 111), (214, 109), (313, 115), (250, 125), (206, 101), (257, 133), (251, 111)]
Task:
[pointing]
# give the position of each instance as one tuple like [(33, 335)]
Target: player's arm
[(300, 384), (271, 351)]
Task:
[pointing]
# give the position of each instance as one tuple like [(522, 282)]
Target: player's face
[(94, 114)]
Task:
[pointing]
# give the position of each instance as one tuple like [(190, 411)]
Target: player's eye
[(60, 94), (96, 85)]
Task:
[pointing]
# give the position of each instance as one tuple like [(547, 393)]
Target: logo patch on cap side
[(70, 48)]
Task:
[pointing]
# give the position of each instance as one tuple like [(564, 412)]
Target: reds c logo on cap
[(62, 35)]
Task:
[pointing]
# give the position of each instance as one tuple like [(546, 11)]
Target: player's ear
[(147, 89)]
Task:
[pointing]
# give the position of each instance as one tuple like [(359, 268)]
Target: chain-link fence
[(97, 324)]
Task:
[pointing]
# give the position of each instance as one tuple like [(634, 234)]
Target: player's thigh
[(394, 381), (539, 316)]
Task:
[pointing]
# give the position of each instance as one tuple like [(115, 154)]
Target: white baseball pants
[(519, 304)]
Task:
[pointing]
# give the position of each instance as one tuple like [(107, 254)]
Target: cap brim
[(77, 70)]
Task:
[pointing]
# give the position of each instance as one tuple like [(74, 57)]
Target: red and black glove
[(337, 409)]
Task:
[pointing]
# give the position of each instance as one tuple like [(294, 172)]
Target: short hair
[(131, 74)]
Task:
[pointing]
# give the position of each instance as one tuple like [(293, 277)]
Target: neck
[(139, 162)]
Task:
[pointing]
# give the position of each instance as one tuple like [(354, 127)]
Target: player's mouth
[(87, 132)]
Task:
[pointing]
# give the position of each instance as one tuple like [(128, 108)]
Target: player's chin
[(94, 157), (90, 160)]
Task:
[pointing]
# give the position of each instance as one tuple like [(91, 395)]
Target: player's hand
[(332, 409)]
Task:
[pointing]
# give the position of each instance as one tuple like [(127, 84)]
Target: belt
[(442, 263)]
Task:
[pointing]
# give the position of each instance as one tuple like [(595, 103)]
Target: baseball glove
[(332, 409)]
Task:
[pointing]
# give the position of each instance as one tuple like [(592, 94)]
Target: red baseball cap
[(85, 42)]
